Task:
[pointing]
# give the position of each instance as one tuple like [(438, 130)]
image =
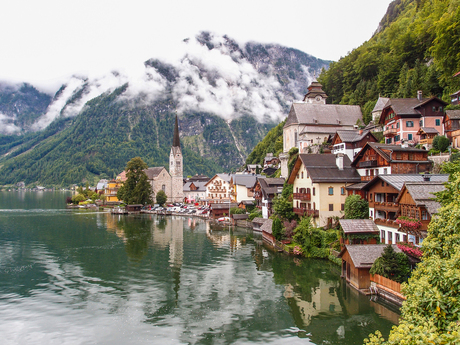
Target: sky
[(45, 42)]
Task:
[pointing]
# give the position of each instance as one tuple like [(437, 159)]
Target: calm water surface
[(81, 277)]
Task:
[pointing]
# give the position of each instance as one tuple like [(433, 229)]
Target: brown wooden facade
[(355, 276)]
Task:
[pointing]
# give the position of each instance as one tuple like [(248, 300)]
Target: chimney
[(404, 144), (360, 131), (339, 161), (419, 95)]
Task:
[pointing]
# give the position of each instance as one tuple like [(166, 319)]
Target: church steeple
[(176, 139)]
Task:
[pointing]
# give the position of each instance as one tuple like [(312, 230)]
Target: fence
[(385, 282)]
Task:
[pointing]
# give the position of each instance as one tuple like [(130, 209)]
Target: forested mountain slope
[(227, 97), (416, 47)]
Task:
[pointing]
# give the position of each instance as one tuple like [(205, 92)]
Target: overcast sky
[(43, 42)]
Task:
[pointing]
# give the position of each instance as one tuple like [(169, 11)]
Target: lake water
[(83, 277)]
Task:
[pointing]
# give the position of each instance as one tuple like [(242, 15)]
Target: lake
[(85, 277)]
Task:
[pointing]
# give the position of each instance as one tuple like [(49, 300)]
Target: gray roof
[(240, 216), (246, 180), (201, 186), (224, 205), (364, 255), (323, 168), (453, 114), (154, 172), (351, 136), (429, 130), (354, 226), (323, 114), (381, 102), (271, 186), (422, 194), (267, 226), (259, 220), (398, 180)]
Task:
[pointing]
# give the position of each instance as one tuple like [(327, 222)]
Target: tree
[(277, 229), (282, 207), (136, 189), (431, 312), (392, 265), (356, 207), (440, 143), (161, 198)]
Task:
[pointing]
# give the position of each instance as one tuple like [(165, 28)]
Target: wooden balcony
[(368, 164), (386, 222), (302, 196), (427, 141), (390, 132), (303, 212), (386, 206)]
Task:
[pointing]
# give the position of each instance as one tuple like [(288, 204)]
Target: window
[(331, 207), (421, 123), (396, 138), (385, 171), (331, 190), (314, 191), (440, 108), (409, 123), (163, 187), (382, 234), (397, 124), (409, 137), (342, 207), (342, 190), (388, 140), (438, 122), (372, 213), (301, 174)]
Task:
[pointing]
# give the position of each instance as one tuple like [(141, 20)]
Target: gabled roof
[(352, 136), (382, 150), (154, 172), (267, 226), (358, 226), (453, 114), (271, 185), (364, 255), (323, 168), (422, 194), (323, 114), (246, 180), (224, 177), (427, 130), (407, 106), (397, 180), (198, 184), (381, 102)]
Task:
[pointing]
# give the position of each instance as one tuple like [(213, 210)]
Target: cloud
[(7, 125), (220, 81)]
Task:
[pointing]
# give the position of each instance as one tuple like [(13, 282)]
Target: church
[(170, 182)]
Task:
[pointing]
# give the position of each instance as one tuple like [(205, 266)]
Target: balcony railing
[(302, 196), (386, 222), (306, 212), (390, 132), (386, 206), (368, 164), (426, 141)]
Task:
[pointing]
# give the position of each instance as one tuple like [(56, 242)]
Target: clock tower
[(176, 167)]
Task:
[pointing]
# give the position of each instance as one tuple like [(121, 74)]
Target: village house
[(350, 142), (382, 194), (377, 111), (381, 159), (416, 201), (111, 191), (265, 191), (319, 184), (194, 191), (218, 189), (403, 117), (452, 127), (242, 187), (357, 260), (359, 231), (312, 121), (218, 210)]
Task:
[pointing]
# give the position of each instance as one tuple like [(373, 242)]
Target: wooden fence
[(385, 282)]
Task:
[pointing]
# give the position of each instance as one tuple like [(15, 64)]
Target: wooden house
[(384, 159), (416, 201), (357, 260), (359, 231), (265, 191), (257, 223), (218, 210), (382, 194), (351, 142), (452, 127), (403, 117), (267, 234), (426, 135)]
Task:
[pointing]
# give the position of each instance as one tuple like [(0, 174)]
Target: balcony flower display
[(410, 249), (410, 223), (297, 250)]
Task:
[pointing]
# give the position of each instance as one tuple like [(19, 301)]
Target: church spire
[(176, 140)]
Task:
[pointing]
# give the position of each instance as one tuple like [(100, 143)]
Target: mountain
[(416, 47), (227, 96)]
